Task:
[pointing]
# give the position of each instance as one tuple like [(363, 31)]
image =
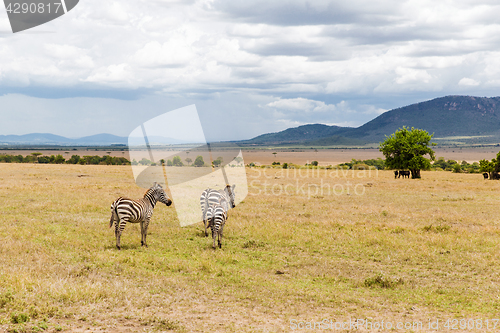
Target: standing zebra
[(125, 210), (218, 217), (210, 197)]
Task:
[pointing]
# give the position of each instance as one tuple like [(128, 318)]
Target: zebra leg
[(120, 225), (142, 233), (146, 225), (214, 236), (205, 222), (219, 238)]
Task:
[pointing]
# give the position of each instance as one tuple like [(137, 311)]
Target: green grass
[(397, 247)]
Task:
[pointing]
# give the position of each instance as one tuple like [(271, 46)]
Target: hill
[(298, 134), (41, 139), (451, 118)]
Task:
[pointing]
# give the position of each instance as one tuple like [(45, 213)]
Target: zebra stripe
[(218, 221), (125, 210), (210, 197)]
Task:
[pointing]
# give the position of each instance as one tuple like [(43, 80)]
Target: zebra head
[(160, 194), (231, 195)]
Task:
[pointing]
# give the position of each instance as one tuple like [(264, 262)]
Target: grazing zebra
[(210, 197), (125, 210), (218, 216)]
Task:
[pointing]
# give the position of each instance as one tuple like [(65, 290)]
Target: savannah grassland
[(362, 246)]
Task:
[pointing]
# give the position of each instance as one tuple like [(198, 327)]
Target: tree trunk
[(415, 173)]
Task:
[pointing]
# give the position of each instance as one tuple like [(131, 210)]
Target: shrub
[(360, 167), (198, 162), (176, 161), (383, 282)]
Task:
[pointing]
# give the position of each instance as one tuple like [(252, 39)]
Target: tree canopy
[(406, 148), (491, 167), (198, 162)]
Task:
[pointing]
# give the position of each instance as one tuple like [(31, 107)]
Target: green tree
[(176, 161), (188, 160), (491, 167), (43, 159), (59, 159), (198, 162), (36, 155), (74, 159), (406, 148), (145, 161), (217, 162)]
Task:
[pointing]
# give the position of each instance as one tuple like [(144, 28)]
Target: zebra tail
[(114, 214)]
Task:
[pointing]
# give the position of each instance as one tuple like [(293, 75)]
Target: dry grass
[(400, 250)]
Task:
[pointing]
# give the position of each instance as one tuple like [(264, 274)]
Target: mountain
[(445, 116), (51, 139), (101, 139), (453, 118), (305, 133), (35, 139)]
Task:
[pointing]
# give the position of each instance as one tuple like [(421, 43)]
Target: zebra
[(210, 197), (218, 217), (125, 210)]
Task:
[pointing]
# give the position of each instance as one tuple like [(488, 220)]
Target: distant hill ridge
[(52, 139), (472, 119), (450, 116)]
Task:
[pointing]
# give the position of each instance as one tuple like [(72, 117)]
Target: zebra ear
[(232, 187)]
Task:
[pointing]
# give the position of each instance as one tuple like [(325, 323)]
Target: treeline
[(439, 164), (452, 165), (59, 159), (378, 164)]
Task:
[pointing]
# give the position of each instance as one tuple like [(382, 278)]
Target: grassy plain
[(299, 156), (302, 246)]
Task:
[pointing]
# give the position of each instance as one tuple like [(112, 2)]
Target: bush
[(360, 167), (217, 162), (176, 161), (59, 159), (43, 159), (198, 162), (145, 161), (74, 159)]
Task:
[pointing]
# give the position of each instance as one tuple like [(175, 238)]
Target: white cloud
[(371, 55), (466, 81), (301, 105)]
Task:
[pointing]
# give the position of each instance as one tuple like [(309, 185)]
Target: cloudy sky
[(250, 67)]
